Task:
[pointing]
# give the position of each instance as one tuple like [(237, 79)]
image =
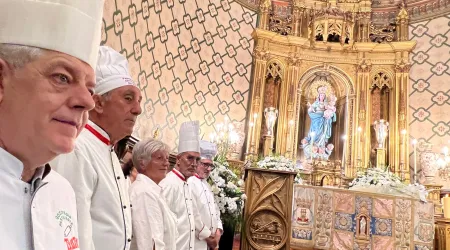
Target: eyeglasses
[(208, 165)]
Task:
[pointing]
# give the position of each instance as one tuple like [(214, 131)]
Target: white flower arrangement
[(379, 180), (280, 163), (228, 195)]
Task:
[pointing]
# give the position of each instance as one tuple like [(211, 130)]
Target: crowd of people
[(65, 102)]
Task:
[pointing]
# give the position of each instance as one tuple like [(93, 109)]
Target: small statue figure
[(362, 226)]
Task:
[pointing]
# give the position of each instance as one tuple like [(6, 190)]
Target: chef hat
[(207, 150), (71, 27), (189, 138), (112, 71)]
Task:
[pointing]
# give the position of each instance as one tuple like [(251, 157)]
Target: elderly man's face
[(120, 110), (187, 163), (204, 168), (44, 104)]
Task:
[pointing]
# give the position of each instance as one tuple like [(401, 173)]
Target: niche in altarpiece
[(380, 107), (271, 97)]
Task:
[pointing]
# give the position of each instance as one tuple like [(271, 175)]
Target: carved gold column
[(264, 9), (260, 56), (362, 128), (363, 26), (268, 209), (402, 22), (297, 15), (285, 135), (349, 164), (400, 158)]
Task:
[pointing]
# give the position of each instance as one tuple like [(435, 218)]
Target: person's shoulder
[(194, 181), (57, 180)]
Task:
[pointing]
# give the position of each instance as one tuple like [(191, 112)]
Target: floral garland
[(228, 195), (280, 163), (379, 180)]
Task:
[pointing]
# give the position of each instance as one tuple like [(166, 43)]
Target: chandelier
[(225, 138)]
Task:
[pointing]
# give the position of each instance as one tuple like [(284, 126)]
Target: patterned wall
[(191, 58), (430, 83)]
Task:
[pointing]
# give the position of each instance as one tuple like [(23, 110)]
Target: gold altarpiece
[(366, 69)]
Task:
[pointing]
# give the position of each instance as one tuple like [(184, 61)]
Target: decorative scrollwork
[(281, 25), (382, 34)]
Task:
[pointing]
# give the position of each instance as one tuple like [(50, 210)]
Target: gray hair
[(19, 55), (144, 149)]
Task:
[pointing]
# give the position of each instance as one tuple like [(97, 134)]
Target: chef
[(46, 81), (93, 169), (204, 197), (177, 192), (153, 221)]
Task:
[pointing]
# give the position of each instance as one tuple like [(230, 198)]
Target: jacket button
[(124, 207), (118, 177), (131, 205), (129, 240)]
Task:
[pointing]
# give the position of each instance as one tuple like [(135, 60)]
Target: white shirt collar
[(99, 129), (10, 164), (148, 181)]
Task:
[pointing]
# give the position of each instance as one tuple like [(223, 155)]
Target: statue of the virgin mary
[(322, 113)]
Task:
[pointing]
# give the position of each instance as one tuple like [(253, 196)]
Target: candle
[(290, 132), (414, 142), (251, 125), (403, 148), (255, 122), (344, 137), (359, 143)]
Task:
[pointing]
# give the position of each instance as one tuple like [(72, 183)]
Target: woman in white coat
[(153, 222)]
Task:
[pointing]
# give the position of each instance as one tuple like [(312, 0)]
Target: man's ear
[(178, 160), (4, 72), (99, 103)]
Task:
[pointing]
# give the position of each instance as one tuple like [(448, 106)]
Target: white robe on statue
[(153, 222), (93, 169), (40, 215), (178, 196), (207, 208)]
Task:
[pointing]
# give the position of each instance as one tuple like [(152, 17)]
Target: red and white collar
[(179, 174), (196, 175), (98, 132)]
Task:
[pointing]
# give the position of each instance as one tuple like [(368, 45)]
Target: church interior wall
[(191, 59), (429, 88)]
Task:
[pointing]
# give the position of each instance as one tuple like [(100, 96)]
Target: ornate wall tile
[(429, 74), (382, 243), (180, 45), (344, 202), (383, 208), (324, 218), (403, 223), (342, 240)]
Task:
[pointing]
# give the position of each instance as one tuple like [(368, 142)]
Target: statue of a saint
[(322, 113), (362, 226)]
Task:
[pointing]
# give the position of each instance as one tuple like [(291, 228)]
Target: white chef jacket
[(93, 169), (37, 216), (178, 196), (207, 208), (153, 222)]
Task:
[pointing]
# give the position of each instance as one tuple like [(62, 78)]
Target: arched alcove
[(337, 84)]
